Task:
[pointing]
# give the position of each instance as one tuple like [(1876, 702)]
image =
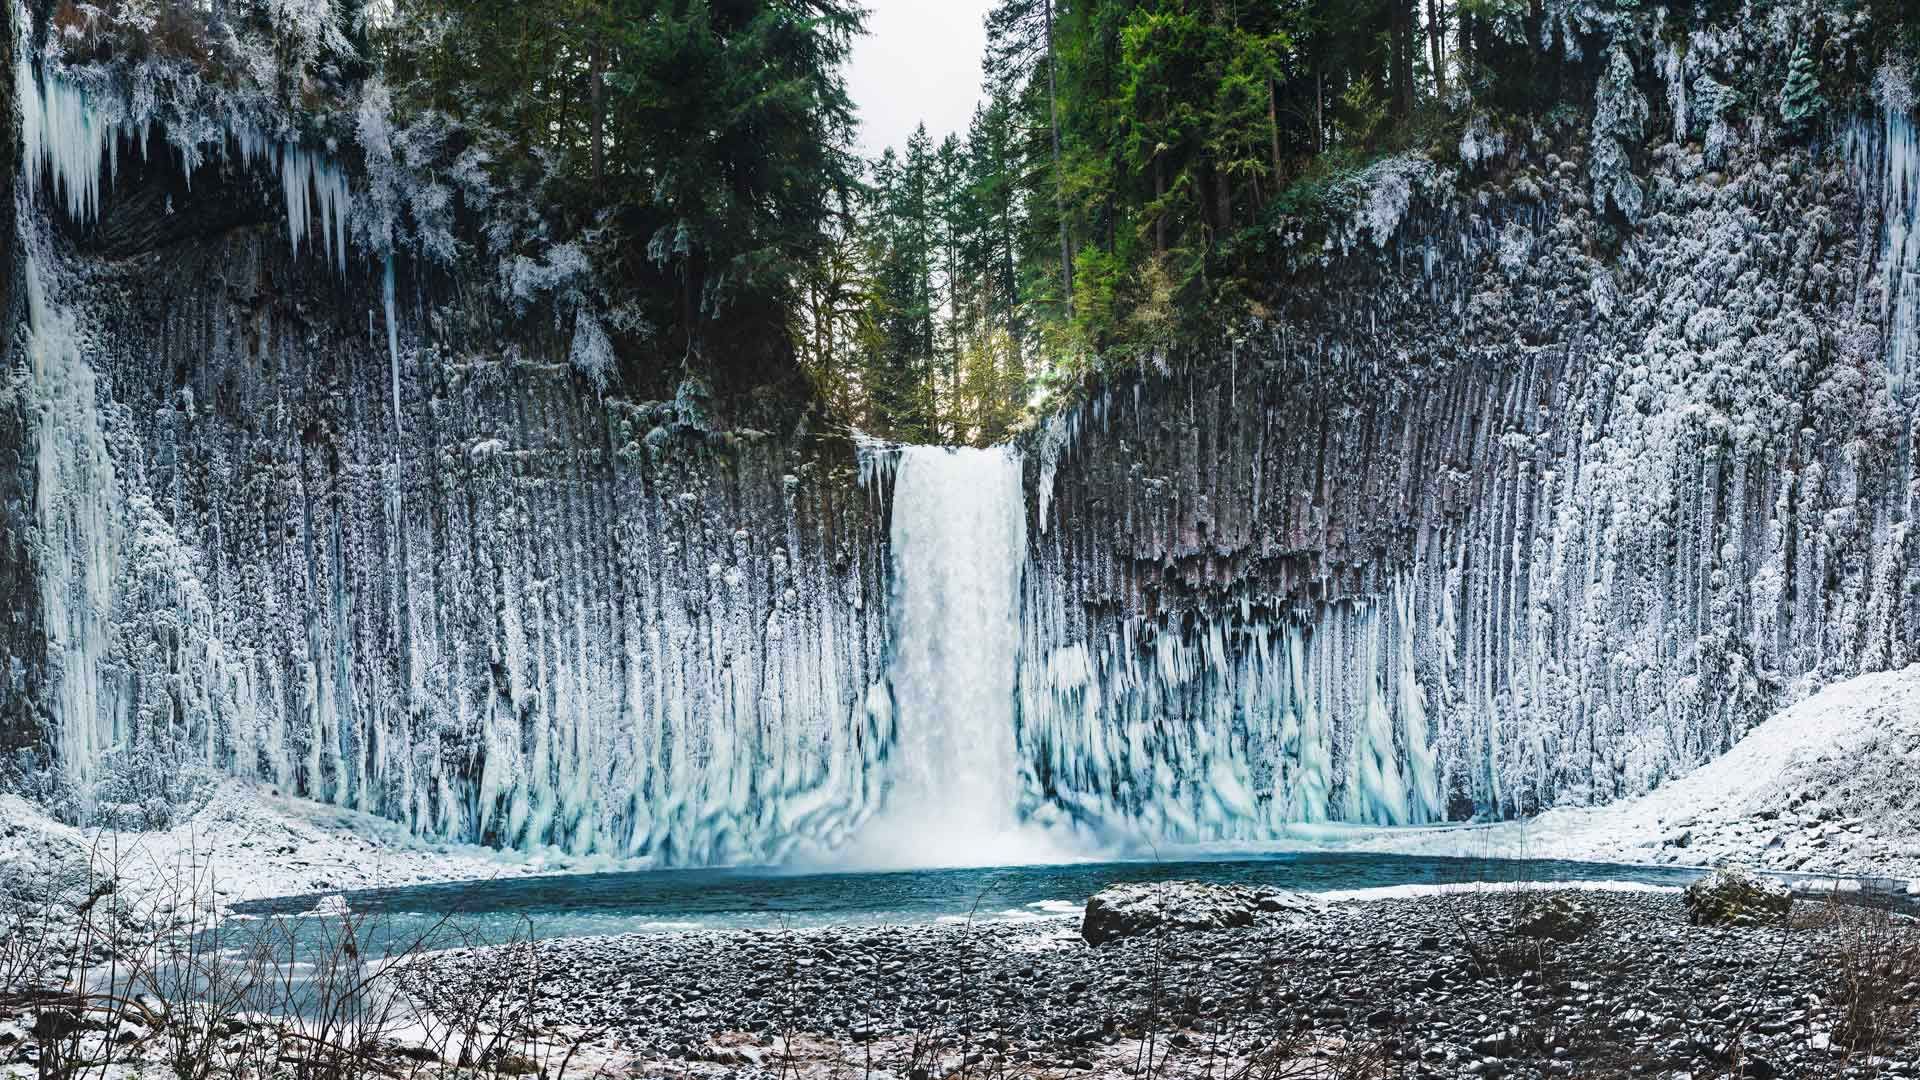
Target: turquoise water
[(669, 900)]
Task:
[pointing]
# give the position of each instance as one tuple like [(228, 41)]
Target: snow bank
[(1830, 785), (1476, 888), (247, 843)]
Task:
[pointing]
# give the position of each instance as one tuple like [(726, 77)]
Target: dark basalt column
[(22, 645)]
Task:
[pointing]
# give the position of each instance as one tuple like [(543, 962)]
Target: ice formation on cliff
[(78, 514), (75, 148), (1227, 730), (1887, 162)]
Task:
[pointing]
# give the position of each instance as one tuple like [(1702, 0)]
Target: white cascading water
[(959, 542)]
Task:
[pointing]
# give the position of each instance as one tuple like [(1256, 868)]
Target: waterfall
[(959, 539), (1231, 730)]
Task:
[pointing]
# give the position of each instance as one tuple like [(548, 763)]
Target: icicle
[(313, 184), (1898, 177), (879, 461), (393, 337), (63, 140), (73, 148), (295, 184), (1903, 246)]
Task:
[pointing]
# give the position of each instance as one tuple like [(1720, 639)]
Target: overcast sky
[(919, 61)]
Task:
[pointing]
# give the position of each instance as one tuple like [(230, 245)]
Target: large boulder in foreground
[(1122, 911), (1736, 898), (1551, 917)]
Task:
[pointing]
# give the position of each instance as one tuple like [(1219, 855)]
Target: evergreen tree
[(1120, 193), (900, 256), (827, 325), (1022, 51), (732, 120), (1619, 124), (1801, 102), (696, 148)]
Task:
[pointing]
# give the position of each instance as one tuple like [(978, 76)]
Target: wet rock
[(1731, 897), (1123, 911), (1644, 989), (60, 1023), (1553, 917)]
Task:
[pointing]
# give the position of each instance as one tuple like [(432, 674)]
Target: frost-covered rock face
[(20, 635), (506, 621), (1494, 519), (489, 609), (262, 518)]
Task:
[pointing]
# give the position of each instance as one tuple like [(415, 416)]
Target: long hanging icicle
[(1893, 161), (393, 337), (77, 513), (64, 141), (312, 182), (74, 150)]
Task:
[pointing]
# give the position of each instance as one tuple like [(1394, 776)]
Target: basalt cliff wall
[(1503, 509), (433, 576)]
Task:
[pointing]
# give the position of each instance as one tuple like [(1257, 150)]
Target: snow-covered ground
[(1830, 785), (246, 843)]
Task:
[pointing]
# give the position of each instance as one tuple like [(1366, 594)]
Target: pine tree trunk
[(1436, 37), (597, 122), (1222, 183), (1463, 47), (1273, 129), (1319, 111), (1223, 201), (686, 311), (1160, 216), (1400, 40), (1059, 196)]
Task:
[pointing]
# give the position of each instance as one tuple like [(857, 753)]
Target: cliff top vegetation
[(664, 191)]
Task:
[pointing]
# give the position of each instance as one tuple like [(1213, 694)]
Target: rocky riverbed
[(1426, 986)]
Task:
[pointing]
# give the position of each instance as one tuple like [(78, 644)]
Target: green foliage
[(1144, 176), (1800, 100), (940, 351), (1363, 112), (696, 150), (1151, 147)]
